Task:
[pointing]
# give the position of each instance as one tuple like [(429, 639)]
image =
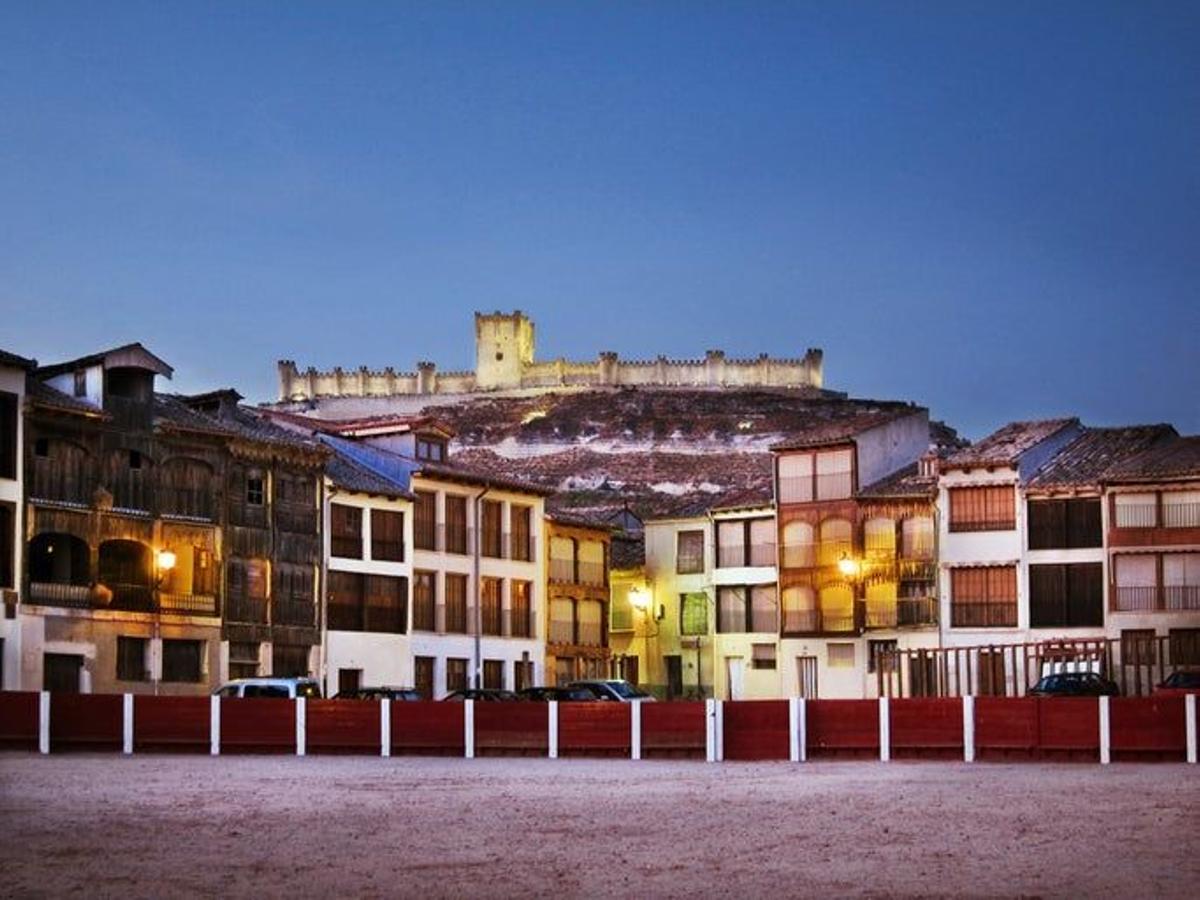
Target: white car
[(289, 688)]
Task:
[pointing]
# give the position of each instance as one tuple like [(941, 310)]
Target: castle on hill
[(504, 361)]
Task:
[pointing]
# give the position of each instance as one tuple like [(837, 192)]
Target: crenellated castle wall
[(504, 355)]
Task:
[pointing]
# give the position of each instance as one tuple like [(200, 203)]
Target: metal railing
[(562, 570), (189, 604), (72, 596), (132, 597), (592, 573), (1167, 598), (1181, 515), (590, 634), (1001, 614), (816, 621), (1136, 515), (904, 612)]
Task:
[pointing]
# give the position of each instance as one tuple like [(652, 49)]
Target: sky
[(991, 209)]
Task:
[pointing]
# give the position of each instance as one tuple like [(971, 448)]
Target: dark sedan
[(1074, 684)]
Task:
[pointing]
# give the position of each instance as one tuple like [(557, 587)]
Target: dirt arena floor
[(165, 826)]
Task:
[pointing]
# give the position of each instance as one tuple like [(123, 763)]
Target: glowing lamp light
[(848, 567), (639, 599), (166, 560)]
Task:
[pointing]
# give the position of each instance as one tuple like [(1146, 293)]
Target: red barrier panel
[(835, 726), (427, 726), (594, 727), (1006, 723), (1148, 725), (171, 723), (342, 726), (756, 729), (926, 723), (258, 725), (511, 727), (19, 720), (1069, 723), (673, 728), (86, 721)]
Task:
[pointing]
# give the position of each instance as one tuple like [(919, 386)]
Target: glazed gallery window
[(689, 552)]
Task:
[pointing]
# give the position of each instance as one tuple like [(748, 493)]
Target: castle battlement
[(504, 361)]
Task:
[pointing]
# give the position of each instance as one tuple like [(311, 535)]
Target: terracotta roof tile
[(1178, 458), (1006, 445), (41, 394), (1085, 460)]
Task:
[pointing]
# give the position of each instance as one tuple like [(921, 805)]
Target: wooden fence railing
[(968, 728)]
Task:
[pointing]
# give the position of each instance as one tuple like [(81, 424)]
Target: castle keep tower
[(503, 348)]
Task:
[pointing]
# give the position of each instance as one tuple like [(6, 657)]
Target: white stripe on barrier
[(710, 733), (469, 729), (802, 703), (214, 725), (635, 729), (127, 724), (385, 726), (301, 726), (1189, 717), (885, 730), (794, 729), (719, 729), (968, 716), (44, 722), (1105, 733), (552, 729)]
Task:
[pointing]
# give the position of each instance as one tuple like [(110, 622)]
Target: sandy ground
[(172, 825)]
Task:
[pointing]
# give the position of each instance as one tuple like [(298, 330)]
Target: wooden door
[(60, 672), (806, 672), (674, 676)]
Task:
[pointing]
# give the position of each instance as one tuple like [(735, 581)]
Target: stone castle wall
[(504, 345)]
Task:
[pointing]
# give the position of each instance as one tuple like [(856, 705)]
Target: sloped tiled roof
[(41, 394), (172, 412), (1084, 461), (905, 483), (846, 428), (12, 361), (1178, 458), (1005, 446), (350, 475), (627, 551), (358, 426), (122, 354)]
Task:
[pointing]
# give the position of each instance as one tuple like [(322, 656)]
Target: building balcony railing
[(816, 621), (185, 503), (905, 612), (998, 614), (1169, 598), (591, 634), (188, 604), (71, 596), (562, 570), (592, 573), (51, 485), (916, 569), (1181, 515), (738, 555), (132, 597), (1136, 515)]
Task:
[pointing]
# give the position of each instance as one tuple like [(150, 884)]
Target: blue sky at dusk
[(992, 209)]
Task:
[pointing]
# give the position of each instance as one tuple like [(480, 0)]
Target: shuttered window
[(456, 524), (425, 520), (387, 535), (1064, 524), (1066, 596), (521, 614), (491, 590), (982, 509), (424, 601), (493, 514), (522, 532), (983, 597), (456, 603), (345, 531), (693, 613)]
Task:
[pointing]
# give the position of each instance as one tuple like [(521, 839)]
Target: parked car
[(1074, 684), (561, 694), (383, 692), (486, 695), (290, 688), (611, 689), (1183, 681)]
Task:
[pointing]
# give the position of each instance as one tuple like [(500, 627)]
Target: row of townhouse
[(163, 543), (880, 564)]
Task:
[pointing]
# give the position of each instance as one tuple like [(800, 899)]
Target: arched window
[(799, 546), (837, 608), (127, 571), (185, 488), (61, 471), (835, 541), (127, 475), (59, 570), (799, 609), (879, 537), (916, 535)]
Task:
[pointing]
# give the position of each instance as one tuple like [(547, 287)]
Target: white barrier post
[(794, 729), (469, 729), (385, 726), (802, 733), (552, 728), (719, 729), (885, 730), (710, 731), (44, 722), (1189, 713), (1105, 733), (968, 713), (301, 725), (127, 724), (214, 725), (635, 729)]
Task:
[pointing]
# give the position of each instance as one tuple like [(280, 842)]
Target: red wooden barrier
[(673, 729), (756, 729), (603, 728), (841, 726), (342, 726), (1148, 725), (171, 723), (426, 726), (511, 728), (86, 721), (19, 720), (1069, 723), (1006, 724), (258, 725), (926, 726)]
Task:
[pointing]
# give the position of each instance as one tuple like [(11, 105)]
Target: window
[(456, 603), (1135, 579), (522, 673), (1066, 596), (456, 524), (620, 612), (80, 385), (799, 610), (834, 474), (983, 597), (243, 659), (795, 476), (522, 532), (589, 623), (562, 621), (131, 659), (344, 611), (840, 656), (424, 601), (423, 676), (257, 579), (799, 546), (521, 615), (1064, 524), (917, 538), (8, 519), (349, 681), (1135, 510), (762, 656), (493, 674), (425, 520), (881, 656), (1181, 581), (689, 552), (731, 544), (693, 613), (1184, 644), (1138, 647), (385, 609), (387, 535), (493, 512), (879, 538), (836, 542), (433, 450), (8, 434), (183, 661), (456, 674), (255, 490), (982, 509), (491, 590), (345, 531), (747, 609), (1181, 509)]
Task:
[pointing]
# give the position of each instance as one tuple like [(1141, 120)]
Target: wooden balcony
[(906, 612), (188, 604), (1168, 598)]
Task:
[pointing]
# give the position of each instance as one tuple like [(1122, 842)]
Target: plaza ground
[(103, 825)]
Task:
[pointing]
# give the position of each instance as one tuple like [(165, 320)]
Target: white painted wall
[(891, 446), (12, 381), (95, 385)]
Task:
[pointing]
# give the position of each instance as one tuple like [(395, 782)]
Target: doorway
[(674, 676), (734, 666), (60, 672), (806, 671)]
